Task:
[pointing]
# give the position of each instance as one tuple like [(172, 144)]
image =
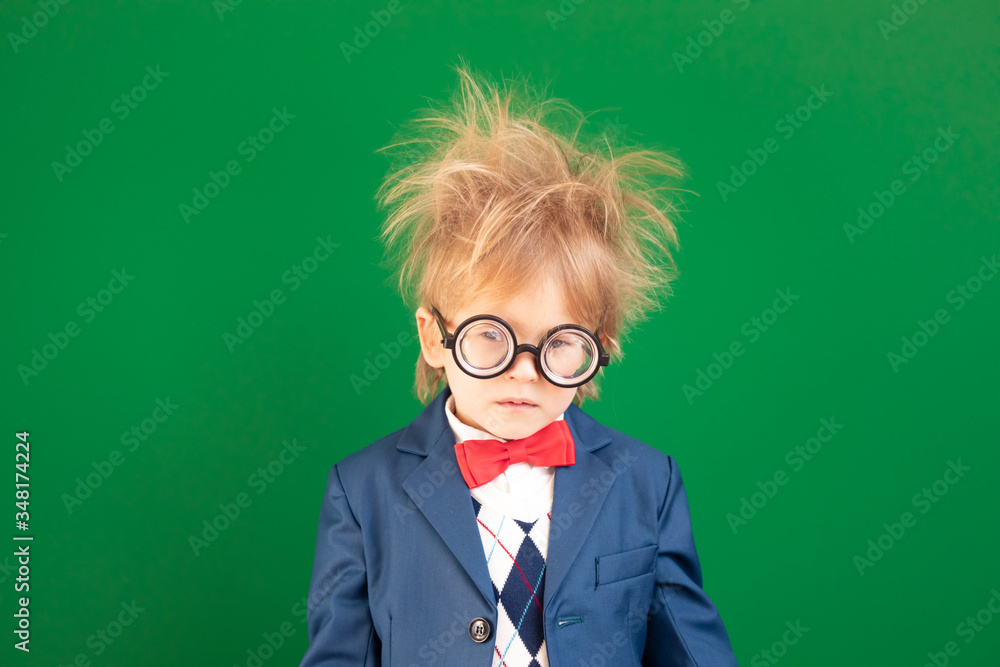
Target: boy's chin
[(516, 429)]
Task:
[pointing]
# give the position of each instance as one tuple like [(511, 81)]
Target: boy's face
[(485, 404)]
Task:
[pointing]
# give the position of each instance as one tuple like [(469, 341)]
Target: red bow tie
[(483, 460)]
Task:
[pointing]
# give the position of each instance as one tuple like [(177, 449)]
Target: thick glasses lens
[(484, 346), (569, 356)]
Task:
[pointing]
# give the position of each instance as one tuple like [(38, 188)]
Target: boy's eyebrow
[(542, 330)]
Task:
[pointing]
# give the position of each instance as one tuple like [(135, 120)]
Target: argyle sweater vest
[(515, 553)]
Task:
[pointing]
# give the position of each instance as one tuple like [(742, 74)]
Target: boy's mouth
[(517, 403)]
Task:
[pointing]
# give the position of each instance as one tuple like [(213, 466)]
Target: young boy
[(504, 525)]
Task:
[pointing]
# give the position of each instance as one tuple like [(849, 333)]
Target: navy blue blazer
[(400, 577)]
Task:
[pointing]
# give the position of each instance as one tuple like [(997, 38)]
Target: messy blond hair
[(487, 197)]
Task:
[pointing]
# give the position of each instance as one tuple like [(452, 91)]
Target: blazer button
[(479, 630)]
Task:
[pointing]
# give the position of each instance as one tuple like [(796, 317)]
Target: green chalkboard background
[(903, 124)]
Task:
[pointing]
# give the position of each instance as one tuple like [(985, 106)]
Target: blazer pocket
[(624, 564)]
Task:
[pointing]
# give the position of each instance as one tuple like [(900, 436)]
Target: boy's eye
[(492, 335)]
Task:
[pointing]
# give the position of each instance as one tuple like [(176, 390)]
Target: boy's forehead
[(536, 312)]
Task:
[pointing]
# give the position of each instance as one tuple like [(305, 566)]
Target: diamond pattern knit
[(515, 552)]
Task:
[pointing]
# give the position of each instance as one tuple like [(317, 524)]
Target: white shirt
[(523, 491)]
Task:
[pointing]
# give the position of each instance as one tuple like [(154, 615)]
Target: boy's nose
[(525, 367)]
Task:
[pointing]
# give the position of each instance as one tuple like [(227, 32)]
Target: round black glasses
[(484, 346)]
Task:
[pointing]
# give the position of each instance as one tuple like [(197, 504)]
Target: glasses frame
[(449, 342)]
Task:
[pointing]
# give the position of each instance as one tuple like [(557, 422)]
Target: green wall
[(904, 109)]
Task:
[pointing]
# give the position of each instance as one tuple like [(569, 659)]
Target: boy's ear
[(430, 338)]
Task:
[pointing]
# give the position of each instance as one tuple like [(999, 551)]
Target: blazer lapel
[(573, 510), (448, 507)]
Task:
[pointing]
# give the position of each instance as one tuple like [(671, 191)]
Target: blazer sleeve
[(341, 631), (684, 628)]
